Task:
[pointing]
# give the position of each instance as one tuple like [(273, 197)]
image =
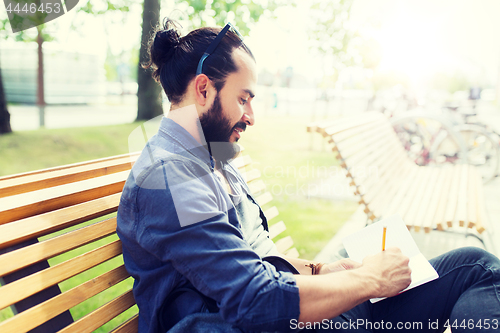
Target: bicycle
[(432, 139), (482, 141)]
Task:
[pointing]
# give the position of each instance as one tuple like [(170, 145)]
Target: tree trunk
[(149, 91), (40, 96), (4, 113), (40, 91)]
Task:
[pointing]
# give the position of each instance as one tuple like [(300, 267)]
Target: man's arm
[(327, 296)]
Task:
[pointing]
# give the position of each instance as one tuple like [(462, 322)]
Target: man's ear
[(204, 90)]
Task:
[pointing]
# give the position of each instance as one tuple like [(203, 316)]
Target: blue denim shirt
[(179, 228)]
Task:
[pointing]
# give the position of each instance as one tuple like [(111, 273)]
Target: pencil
[(383, 237)]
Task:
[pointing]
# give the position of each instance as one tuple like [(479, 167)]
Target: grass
[(33, 150), (279, 146), (281, 149)]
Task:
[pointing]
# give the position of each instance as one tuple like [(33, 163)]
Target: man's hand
[(390, 271), (339, 265)]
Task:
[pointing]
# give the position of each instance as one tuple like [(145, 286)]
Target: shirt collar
[(186, 142)]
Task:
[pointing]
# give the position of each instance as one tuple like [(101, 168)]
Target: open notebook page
[(368, 241)]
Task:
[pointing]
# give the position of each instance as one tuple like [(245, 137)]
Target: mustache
[(241, 125)]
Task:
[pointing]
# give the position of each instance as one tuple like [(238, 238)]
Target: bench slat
[(54, 178), (402, 191), (130, 326), (481, 210), (461, 211), (241, 161), (37, 202), (417, 215), (251, 175), (439, 219), (452, 196), (427, 219), (20, 289), (284, 244), (133, 156), (35, 226), (257, 186), (352, 149), (360, 133), (271, 213), (346, 123), (39, 314), (352, 145), (383, 165), (412, 190), (292, 253), (276, 229), (471, 198), (264, 198), (381, 202), (381, 180), (13, 261), (102, 315), (413, 204), (367, 155), (371, 196)]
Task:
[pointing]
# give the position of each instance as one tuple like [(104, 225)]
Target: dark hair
[(174, 59)]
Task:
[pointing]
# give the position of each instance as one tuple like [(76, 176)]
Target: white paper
[(368, 241)]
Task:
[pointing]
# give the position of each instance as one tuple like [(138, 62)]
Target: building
[(69, 77)]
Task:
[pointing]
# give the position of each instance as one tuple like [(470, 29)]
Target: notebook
[(368, 241)]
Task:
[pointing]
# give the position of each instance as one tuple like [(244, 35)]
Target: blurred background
[(313, 57), (72, 89)]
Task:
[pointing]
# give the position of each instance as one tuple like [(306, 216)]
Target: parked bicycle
[(432, 139)]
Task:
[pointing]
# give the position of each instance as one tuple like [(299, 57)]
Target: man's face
[(231, 111)]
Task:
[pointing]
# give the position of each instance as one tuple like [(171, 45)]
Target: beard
[(217, 130)]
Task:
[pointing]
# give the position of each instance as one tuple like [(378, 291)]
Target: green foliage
[(99, 7), (331, 34), (450, 81), (241, 13), (110, 68)]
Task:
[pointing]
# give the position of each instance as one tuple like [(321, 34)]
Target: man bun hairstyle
[(174, 59)]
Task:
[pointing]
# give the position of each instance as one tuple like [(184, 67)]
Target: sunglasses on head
[(211, 48)]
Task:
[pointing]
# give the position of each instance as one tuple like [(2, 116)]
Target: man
[(196, 241)]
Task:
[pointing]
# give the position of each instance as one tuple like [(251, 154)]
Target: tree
[(331, 34), (93, 7), (148, 92), (4, 112)]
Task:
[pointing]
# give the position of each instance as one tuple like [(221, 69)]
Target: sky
[(430, 35), (417, 37)]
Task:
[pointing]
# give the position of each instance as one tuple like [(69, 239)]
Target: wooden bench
[(61, 264), (387, 182)]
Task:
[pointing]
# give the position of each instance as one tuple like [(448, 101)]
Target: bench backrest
[(388, 182), (59, 252)]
